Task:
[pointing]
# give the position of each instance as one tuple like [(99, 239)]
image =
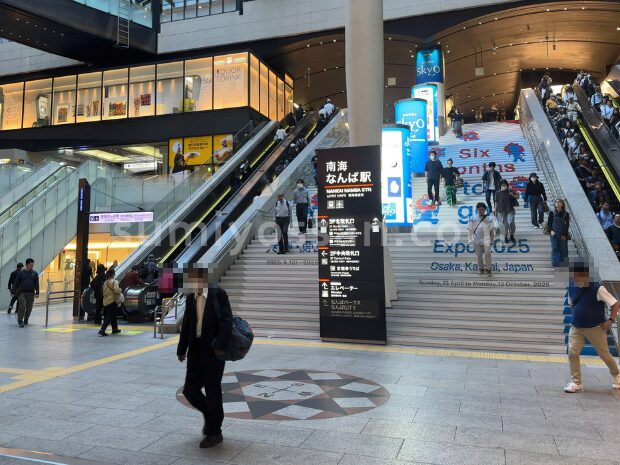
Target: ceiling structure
[(509, 43)]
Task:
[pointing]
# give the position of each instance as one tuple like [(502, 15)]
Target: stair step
[(479, 325), (465, 344)]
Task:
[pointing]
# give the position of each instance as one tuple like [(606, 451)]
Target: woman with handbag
[(112, 298), (557, 227)]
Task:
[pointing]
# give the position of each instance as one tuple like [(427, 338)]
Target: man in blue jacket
[(589, 323), (26, 287)]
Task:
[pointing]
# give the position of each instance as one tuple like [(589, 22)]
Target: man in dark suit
[(11, 281), (205, 334)]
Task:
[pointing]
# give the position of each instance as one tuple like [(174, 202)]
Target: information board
[(351, 276)]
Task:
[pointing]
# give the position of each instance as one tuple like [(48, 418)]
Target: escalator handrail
[(189, 253), (244, 225), (142, 251)]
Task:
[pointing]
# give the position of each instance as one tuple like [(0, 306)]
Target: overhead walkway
[(41, 225)]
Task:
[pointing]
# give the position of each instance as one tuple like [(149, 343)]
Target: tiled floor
[(112, 401)]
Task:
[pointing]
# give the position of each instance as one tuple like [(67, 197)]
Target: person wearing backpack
[(205, 335), (283, 213), (301, 198), (112, 298)]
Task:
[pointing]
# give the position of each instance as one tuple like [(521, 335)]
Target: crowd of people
[(563, 111)]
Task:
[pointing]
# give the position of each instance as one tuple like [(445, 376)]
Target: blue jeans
[(559, 251)]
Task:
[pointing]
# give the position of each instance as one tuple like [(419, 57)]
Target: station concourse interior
[(289, 232)]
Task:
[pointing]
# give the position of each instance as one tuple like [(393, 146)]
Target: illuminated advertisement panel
[(412, 113), (396, 191)]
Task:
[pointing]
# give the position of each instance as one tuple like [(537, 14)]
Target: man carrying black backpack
[(205, 336)]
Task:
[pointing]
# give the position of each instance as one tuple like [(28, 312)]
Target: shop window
[(199, 84), (165, 11), (273, 97), (142, 91), (37, 103), (64, 100), (264, 90), (190, 9), (254, 83), (216, 7), (11, 106), (115, 94), (170, 88), (288, 95), (89, 97), (231, 81), (280, 104)]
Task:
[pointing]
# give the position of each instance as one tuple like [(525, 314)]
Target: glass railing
[(11, 176), (28, 181), (140, 10)]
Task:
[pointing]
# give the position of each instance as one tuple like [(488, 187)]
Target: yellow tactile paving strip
[(26, 377)]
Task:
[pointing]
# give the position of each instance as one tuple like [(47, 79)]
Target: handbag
[(311, 221), (460, 183), (118, 299), (545, 207), (547, 229)]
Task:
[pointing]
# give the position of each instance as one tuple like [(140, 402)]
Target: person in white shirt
[(597, 98), (480, 234), (329, 107), (607, 110), (280, 134)]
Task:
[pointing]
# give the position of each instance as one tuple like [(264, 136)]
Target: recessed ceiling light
[(548, 9), (448, 51), (565, 8), (438, 43), (479, 22), (464, 27), (496, 18), (321, 43), (308, 45), (389, 38), (334, 40)]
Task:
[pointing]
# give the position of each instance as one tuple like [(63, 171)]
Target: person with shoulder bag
[(112, 298), (480, 232), (558, 228)]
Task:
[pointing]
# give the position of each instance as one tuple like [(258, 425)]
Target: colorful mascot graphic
[(426, 211), (471, 135), (515, 151)]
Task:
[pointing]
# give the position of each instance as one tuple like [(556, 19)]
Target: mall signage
[(411, 112), (429, 66), (121, 217), (396, 189), (351, 275), (428, 92)]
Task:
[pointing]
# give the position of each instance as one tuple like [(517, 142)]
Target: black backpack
[(241, 337)]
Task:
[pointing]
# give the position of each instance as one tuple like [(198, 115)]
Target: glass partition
[(190, 8), (264, 90), (273, 96), (142, 91), (199, 84), (231, 81), (37, 103), (115, 93), (11, 106), (89, 97), (170, 88), (254, 83), (64, 100), (288, 94)]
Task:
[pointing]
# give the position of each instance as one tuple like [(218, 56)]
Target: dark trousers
[(98, 311), (282, 230), (205, 371), (433, 183), (13, 300), (301, 209), (537, 209), (24, 306), (490, 193), (109, 316)]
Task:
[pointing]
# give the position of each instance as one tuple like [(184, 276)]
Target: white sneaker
[(615, 382), (573, 387)]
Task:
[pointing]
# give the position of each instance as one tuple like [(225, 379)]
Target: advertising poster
[(231, 81), (428, 92), (222, 147), (351, 275), (429, 66), (396, 190), (12, 110), (412, 113), (189, 151)]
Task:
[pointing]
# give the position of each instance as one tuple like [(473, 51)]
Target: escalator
[(180, 227)]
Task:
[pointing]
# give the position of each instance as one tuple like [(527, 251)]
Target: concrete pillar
[(364, 70)]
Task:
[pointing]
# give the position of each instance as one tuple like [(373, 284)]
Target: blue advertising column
[(396, 189), (428, 92), (430, 65), (412, 113)]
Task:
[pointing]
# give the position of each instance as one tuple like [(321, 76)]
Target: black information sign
[(81, 280), (351, 276)]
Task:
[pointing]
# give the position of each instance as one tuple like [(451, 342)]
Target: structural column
[(364, 68)]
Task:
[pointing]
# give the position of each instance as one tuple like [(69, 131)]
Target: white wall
[(264, 19), (17, 58)]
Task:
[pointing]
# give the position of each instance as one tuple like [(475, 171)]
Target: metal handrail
[(164, 309), (66, 294)]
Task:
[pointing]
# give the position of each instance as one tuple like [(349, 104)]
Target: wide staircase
[(443, 300), (278, 294)]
